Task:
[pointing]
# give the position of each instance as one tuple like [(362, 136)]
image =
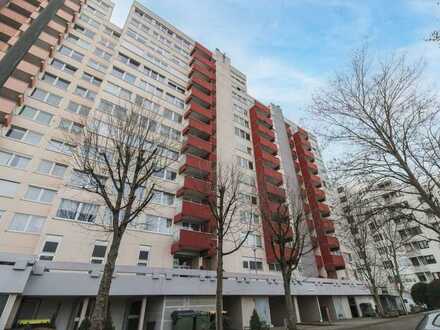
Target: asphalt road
[(401, 323)]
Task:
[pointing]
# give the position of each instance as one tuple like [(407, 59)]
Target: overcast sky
[(289, 48)]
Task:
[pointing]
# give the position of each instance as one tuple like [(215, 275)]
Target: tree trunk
[(290, 310), (376, 298), (219, 290), (100, 312)]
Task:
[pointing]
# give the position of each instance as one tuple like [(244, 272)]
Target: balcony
[(193, 212), (312, 167), (309, 155), (264, 120), (199, 94), (324, 209), (278, 209), (275, 192), (198, 128), (273, 176), (210, 75), (194, 186), (303, 133), (260, 108), (194, 241), (268, 146), (271, 161), (338, 262), (316, 181), (195, 165), (197, 80), (200, 48), (199, 57), (266, 133), (12, 15), (199, 112), (319, 194), (327, 226), (330, 241), (196, 146)]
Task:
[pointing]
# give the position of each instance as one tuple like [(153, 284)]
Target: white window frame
[(25, 135), (100, 260), (29, 219), (65, 147), (78, 210), (49, 256), (15, 184), (143, 262), (46, 97), (80, 109), (36, 114), (52, 167), (55, 81), (13, 156), (85, 92), (70, 126), (41, 193)]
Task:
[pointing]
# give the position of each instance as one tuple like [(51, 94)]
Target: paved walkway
[(408, 322)]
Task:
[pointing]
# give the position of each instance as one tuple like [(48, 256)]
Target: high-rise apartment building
[(79, 65)]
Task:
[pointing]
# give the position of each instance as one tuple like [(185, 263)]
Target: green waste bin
[(190, 320)]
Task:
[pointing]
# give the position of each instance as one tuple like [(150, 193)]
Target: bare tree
[(231, 233), (118, 155), (354, 218), (390, 127), (290, 242)]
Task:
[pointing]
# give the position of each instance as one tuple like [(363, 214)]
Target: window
[(242, 134), (8, 188), (24, 135), (274, 267), (51, 168), (428, 260), (78, 41), (247, 180), (77, 56), (377, 237), (91, 79), (253, 240), (166, 174), (121, 74), (421, 244), (88, 33), (147, 104), (84, 92), (252, 264), (41, 195), (241, 121), (129, 61), (46, 97), (13, 160), (171, 115), (79, 211), (118, 91), (55, 81), (83, 180), (153, 74), (60, 65), (248, 198), (153, 223), (102, 54), (387, 264), (421, 277), (79, 109), (60, 146), (98, 254), (175, 100), (176, 87), (97, 66), (111, 109), (39, 116), (163, 198), (244, 163), (415, 261), (144, 252), (26, 223), (50, 247), (70, 126), (249, 217), (146, 86), (107, 43)]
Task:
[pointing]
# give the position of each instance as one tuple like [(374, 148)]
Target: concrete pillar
[(84, 306), (10, 310), (295, 304), (142, 314), (319, 309)]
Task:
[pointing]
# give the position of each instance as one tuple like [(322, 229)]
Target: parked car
[(431, 321)]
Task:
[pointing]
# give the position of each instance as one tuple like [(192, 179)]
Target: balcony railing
[(194, 241), (194, 186), (194, 212)]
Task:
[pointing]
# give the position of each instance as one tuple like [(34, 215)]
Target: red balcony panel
[(204, 71), (194, 212), (198, 111), (277, 192), (273, 176), (327, 225), (194, 241), (39, 53), (297, 167), (268, 146), (68, 17), (26, 6), (314, 241), (300, 179), (28, 68), (313, 168), (197, 163), (198, 126), (197, 57), (199, 81), (310, 224), (193, 185), (289, 131), (324, 209), (195, 92), (16, 85), (316, 181), (47, 38), (309, 155), (273, 161), (193, 142), (331, 241), (265, 120), (266, 133), (303, 132), (72, 5), (277, 208), (319, 194), (13, 15), (319, 262), (261, 108), (8, 30), (338, 262), (57, 27), (201, 48)]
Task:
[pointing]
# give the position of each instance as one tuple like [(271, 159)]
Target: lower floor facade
[(145, 298)]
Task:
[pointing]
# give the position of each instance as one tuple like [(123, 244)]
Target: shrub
[(255, 322), (419, 293), (85, 325), (433, 294)]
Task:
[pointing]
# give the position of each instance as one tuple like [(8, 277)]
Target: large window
[(121, 74), (70, 126), (46, 97), (55, 81), (252, 264), (26, 223), (51, 168), (60, 65), (153, 223), (253, 240), (91, 79), (166, 174), (12, 159), (118, 91), (60, 146), (8, 188), (79, 109), (41, 195), (39, 116), (24, 135), (84, 92), (163, 198), (79, 211), (77, 56)]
